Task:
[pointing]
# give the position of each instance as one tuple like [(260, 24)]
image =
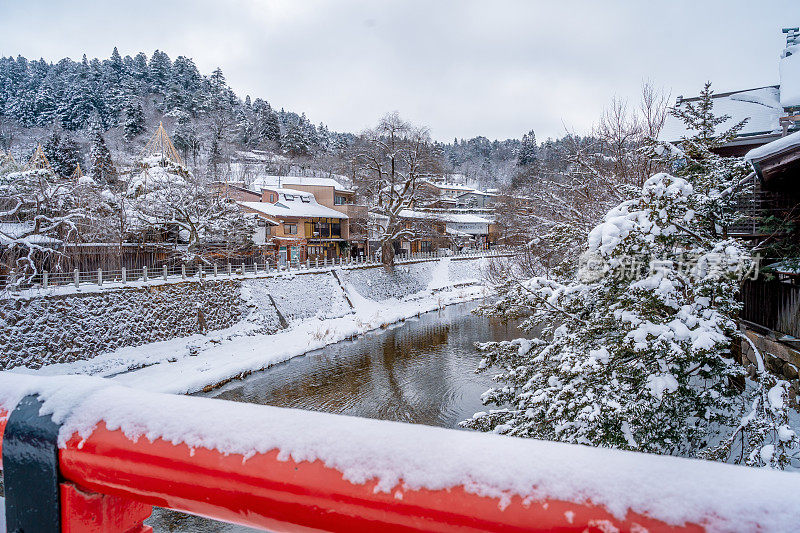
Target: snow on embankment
[(298, 296), (317, 311), (404, 457)]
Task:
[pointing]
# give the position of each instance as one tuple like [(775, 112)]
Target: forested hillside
[(125, 97)]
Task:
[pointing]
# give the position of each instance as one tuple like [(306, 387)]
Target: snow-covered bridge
[(105, 454)]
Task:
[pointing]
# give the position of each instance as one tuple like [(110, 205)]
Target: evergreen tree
[(268, 126), (102, 167), (134, 119), (159, 72), (699, 117), (296, 142), (63, 153), (185, 136), (528, 151)]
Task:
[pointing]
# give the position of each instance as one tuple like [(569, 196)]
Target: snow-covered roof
[(458, 218), (780, 145), (293, 203), (476, 192), (762, 107), (789, 70), (268, 182), (449, 186)]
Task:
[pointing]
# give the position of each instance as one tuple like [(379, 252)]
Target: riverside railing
[(185, 272), (111, 453)]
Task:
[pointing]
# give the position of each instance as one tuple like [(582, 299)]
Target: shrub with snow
[(635, 349)]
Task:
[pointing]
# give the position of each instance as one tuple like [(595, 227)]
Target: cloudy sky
[(463, 68)]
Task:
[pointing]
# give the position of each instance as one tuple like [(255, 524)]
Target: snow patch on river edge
[(190, 364)]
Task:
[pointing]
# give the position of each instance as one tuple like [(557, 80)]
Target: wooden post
[(144, 273), (244, 269), (316, 262), (124, 275), (230, 270), (45, 279), (164, 271), (77, 274), (255, 268), (307, 263), (183, 270), (99, 276), (215, 269)]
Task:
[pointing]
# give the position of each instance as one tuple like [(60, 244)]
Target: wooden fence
[(772, 304)]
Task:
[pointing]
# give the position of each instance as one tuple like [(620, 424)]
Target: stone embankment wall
[(41, 329), (779, 358)]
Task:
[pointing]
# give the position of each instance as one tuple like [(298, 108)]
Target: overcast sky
[(492, 68)]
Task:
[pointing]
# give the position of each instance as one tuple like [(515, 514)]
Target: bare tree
[(37, 214), (390, 162), (554, 212)]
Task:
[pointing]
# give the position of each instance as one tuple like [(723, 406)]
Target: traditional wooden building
[(296, 227)]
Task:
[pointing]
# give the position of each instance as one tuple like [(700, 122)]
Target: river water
[(421, 371)]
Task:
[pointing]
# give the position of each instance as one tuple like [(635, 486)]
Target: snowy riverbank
[(191, 363)]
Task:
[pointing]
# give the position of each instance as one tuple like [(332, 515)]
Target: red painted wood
[(90, 512), (288, 496)]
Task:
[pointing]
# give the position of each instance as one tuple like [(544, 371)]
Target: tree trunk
[(387, 253)]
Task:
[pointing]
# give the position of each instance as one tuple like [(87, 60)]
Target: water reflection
[(421, 371)]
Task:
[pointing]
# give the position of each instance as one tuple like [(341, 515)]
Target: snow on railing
[(105, 454), (195, 272)]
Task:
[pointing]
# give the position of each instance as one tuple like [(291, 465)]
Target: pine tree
[(185, 136), (699, 118), (296, 142), (268, 126), (159, 72), (62, 152), (134, 119), (528, 151), (102, 167)]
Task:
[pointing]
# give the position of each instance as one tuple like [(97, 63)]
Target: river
[(421, 371)]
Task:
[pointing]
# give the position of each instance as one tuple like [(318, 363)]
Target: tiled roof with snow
[(458, 218), (292, 203), (273, 181), (762, 107)]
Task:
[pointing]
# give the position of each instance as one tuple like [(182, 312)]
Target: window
[(339, 200), (271, 197), (336, 229), (288, 197), (290, 229), (268, 231), (262, 223), (305, 199)]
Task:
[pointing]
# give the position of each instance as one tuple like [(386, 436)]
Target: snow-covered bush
[(635, 350)]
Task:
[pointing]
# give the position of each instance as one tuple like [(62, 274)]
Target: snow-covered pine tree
[(635, 355), (185, 136), (63, 152), (134, 119), (268, 126), (102, 168), (528, 151), (296, 142)]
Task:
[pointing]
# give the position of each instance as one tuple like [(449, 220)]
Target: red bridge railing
[(110, 475)]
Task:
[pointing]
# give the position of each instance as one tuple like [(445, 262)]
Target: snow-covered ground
[(189, 364)]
